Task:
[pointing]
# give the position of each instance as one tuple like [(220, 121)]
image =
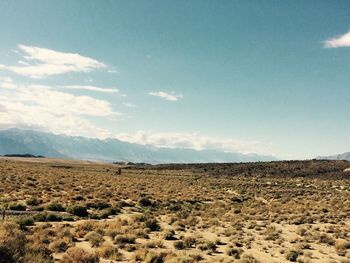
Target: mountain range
[(18, 141), (342, 156)]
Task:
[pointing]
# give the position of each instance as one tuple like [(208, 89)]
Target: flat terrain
[(71, 211)]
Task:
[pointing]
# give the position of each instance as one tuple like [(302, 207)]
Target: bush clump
[(169, 235), (79, 255), (211, 246), (25, 222), (144, 201), (53, 218), (105, 213), (47, 217), (292, 255), (94, 238), (179, 245), (234, 252), (33, 201), (17, 207), (99, 205), (110, 252), (12, 243), (38, 208), (248, 259), (59, 246), (125, 239), (39, 217), (190, 241), (152, 224), (55, 207), (78, 210)]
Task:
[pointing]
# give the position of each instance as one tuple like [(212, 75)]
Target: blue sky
[(248, 76)]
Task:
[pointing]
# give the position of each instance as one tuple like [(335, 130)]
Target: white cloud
[(40, 62), (113, 71), (166, 96), (6, 83), (129, 105), (6, 79), (339, 41), (92, 88), (41, 107), (193, 141), (44, 108)]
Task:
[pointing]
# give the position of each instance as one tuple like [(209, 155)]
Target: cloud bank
[(339, 41), (39, 63), (193, 141), (43, 108), (92, 88), (166, 96)]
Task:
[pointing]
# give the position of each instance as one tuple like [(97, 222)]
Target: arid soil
[(72, 211)]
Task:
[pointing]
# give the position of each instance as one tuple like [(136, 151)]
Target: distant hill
[(343, 156), (24, 155), (16, 141), (332, 169)]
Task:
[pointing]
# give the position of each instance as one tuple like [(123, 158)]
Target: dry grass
[(263, 212)]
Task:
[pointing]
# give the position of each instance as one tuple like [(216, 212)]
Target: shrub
[(154, 244), (39, 217), (94, 238), (67, 218), (38, 208), (83, 228), (152, 257), (38, 256), (25, 222), (110, 252), (144, 201), (53, 218), (342, 245), (179, 245), (59, 246), (152, 224), (17, 207), (105, 213), (190, 241), (33, 202), (12, 243), (234, 252), (78, 197), (78, 210), (272, 233), (99, 205), (292, 255), (125, 239), (37, 252), (248, 259), (142, 233), (169, 235), (47, 217), (55, 207), (79, 255), (94, 216), (175, 207), (129, 247), (211, 246), (196, 258), (327, 239)]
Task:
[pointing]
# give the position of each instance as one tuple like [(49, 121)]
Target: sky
[(265, 77)]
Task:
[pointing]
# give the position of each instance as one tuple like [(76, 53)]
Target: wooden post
[(4, 213)]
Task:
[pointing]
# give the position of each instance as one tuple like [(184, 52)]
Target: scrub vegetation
[(81, 212)]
